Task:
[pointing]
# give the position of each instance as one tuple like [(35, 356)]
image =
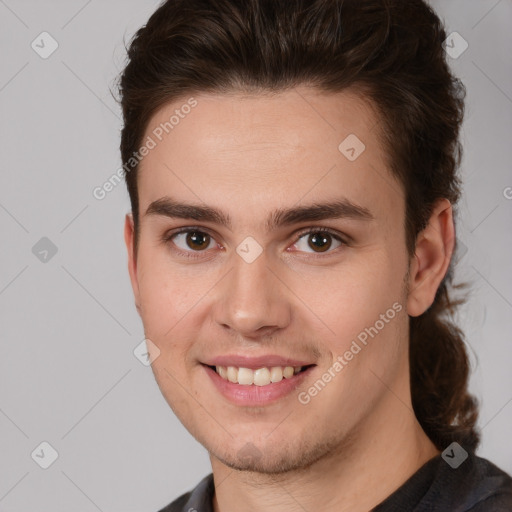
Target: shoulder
[(472, 485), (491, 489), (477, 485), (198, 499), (178, 505)]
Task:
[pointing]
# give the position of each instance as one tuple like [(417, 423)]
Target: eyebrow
[(342, 208)]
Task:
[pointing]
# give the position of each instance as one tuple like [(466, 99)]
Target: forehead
[(252, 150)]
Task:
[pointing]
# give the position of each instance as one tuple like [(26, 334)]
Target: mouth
[(257, 386), (264, 376)]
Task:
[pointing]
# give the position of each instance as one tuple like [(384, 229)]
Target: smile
[(256, 387), (259, 377)]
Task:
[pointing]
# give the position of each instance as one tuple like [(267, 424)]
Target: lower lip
[(252, 395)]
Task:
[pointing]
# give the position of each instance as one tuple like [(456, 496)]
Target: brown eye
[(191, 240), (197, 240), (320, 242)]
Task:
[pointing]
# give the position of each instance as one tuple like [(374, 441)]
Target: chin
[(264, 465), (274, 461)]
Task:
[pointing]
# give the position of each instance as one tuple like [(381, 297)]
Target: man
[(292, 173)]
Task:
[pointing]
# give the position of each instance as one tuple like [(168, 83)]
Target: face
[(268, 243)]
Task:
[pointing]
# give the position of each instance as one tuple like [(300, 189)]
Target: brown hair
[(389, 50)]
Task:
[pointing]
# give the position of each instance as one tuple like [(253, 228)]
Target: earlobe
[(434, 248)]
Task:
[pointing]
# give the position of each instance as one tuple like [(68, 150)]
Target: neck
[(366, 468)]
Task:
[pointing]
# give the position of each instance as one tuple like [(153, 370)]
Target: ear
[(433, 252), (129, 238)]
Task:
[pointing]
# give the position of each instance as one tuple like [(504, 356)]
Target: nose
[(251, 301)]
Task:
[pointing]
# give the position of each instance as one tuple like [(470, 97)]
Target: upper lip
[(255, 362)]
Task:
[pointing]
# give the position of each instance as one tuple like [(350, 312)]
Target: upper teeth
[(259, 377)]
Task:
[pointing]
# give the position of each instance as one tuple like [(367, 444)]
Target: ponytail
[(439, 376)]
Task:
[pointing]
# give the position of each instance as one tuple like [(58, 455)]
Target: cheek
[(172, 300), (167, 294), (166, 312), (354, 296)]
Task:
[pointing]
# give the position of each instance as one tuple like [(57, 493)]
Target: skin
[(248, 156)]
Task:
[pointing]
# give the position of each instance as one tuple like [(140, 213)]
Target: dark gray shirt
[(476, 485)]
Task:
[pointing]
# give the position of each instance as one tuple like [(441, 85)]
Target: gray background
[(68, 375)]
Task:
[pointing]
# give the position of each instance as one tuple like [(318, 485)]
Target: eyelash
[(315, 230)]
